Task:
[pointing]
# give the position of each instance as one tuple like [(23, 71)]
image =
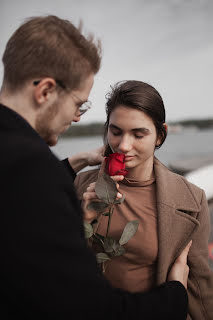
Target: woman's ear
[(165, 126), (159, 139)]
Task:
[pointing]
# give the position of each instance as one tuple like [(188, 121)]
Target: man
[(47, 271)]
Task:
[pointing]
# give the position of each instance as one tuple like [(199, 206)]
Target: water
[(182, 145)]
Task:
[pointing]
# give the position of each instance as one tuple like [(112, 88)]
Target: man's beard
[(42, 124)]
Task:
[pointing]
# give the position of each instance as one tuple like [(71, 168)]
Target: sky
[(167, 43)]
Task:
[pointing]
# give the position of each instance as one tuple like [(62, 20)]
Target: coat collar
[(173, 190), (177, 208)]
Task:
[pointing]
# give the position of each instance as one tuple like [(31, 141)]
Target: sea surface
[(189, 143)]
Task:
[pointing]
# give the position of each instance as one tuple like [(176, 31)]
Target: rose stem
[(109, 219)]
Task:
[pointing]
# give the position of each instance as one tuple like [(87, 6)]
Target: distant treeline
[(200, 124), (93, 129), (97, 128)]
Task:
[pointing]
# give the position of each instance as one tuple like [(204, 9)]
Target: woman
[(170, 210)]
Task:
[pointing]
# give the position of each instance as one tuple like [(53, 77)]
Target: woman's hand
[(90, 195), (180, 269)]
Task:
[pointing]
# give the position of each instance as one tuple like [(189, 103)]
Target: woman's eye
[(116, 133), (139, 137)]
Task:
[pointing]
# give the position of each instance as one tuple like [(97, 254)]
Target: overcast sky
[(167, 43)]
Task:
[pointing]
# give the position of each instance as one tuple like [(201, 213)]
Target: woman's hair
[(50, 47), (136, 95)]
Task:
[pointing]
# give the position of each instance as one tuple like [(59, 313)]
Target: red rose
[(115, 164)]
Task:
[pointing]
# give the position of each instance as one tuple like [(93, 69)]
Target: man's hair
[(50, 47)]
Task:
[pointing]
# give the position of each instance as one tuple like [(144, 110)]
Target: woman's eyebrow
[(112, 126), (141, 130)]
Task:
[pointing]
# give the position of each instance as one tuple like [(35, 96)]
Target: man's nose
[(77, 118)]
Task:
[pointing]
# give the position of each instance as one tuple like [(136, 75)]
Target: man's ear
[(44, 90)]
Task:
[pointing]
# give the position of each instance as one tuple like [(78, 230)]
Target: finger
[(89, 216), (183, 256), (100, 153), (91, 187), (89, 196), (101, 150), (117, 178)]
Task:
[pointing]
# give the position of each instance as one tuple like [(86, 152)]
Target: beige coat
[(182, 215)]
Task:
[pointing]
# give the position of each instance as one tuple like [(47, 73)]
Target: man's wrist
[(78, 161)]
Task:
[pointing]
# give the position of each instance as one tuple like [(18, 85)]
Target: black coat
[(46, 270)]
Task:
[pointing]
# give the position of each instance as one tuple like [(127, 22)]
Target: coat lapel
[(176, 207)]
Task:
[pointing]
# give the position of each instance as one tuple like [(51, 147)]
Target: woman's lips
[(128, 158)]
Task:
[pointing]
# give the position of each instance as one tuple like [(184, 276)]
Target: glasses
[(84, 107)]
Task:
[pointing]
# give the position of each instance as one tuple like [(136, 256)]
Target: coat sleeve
[(69, 168), (200, 282), (47, 271)]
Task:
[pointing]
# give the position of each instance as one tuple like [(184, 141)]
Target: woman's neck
[(143, 172)]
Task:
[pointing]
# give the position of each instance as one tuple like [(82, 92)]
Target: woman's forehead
[(124, 115)]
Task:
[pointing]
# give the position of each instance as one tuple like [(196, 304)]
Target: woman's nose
[(125, 145)]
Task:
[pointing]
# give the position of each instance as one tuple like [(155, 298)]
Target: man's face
[(57, 117)]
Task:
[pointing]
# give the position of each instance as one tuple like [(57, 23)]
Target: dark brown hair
[(50, 47), (137, 95)]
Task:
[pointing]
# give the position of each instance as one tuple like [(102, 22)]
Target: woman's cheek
[(111, 140)]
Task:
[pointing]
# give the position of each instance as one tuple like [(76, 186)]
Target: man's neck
[(16, 103)]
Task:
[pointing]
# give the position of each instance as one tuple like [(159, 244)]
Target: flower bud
[(115, 164)]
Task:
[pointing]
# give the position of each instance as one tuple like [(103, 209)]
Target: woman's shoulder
[(181, 184), (83, 179)]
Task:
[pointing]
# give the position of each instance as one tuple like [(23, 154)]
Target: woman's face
[(133, 133)]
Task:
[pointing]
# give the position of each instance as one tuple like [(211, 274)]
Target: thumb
[(183, 256)]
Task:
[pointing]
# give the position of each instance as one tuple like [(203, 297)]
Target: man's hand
[(95, 156), (87, 158), (180, 269)]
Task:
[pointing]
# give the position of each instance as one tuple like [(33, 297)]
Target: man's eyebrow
[(142, 130)]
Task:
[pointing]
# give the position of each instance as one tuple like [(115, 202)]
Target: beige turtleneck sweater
[(135, 270)]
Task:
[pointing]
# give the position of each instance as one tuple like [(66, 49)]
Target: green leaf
[(97, 206), (106, 189), (119, 251), (108, 244), (88, 230), (102, 257), (119, 201), (129, 231)]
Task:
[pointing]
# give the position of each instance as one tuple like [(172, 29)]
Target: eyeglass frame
[(87, 104)]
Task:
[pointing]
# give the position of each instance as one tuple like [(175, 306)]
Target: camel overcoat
[(182, 215)]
